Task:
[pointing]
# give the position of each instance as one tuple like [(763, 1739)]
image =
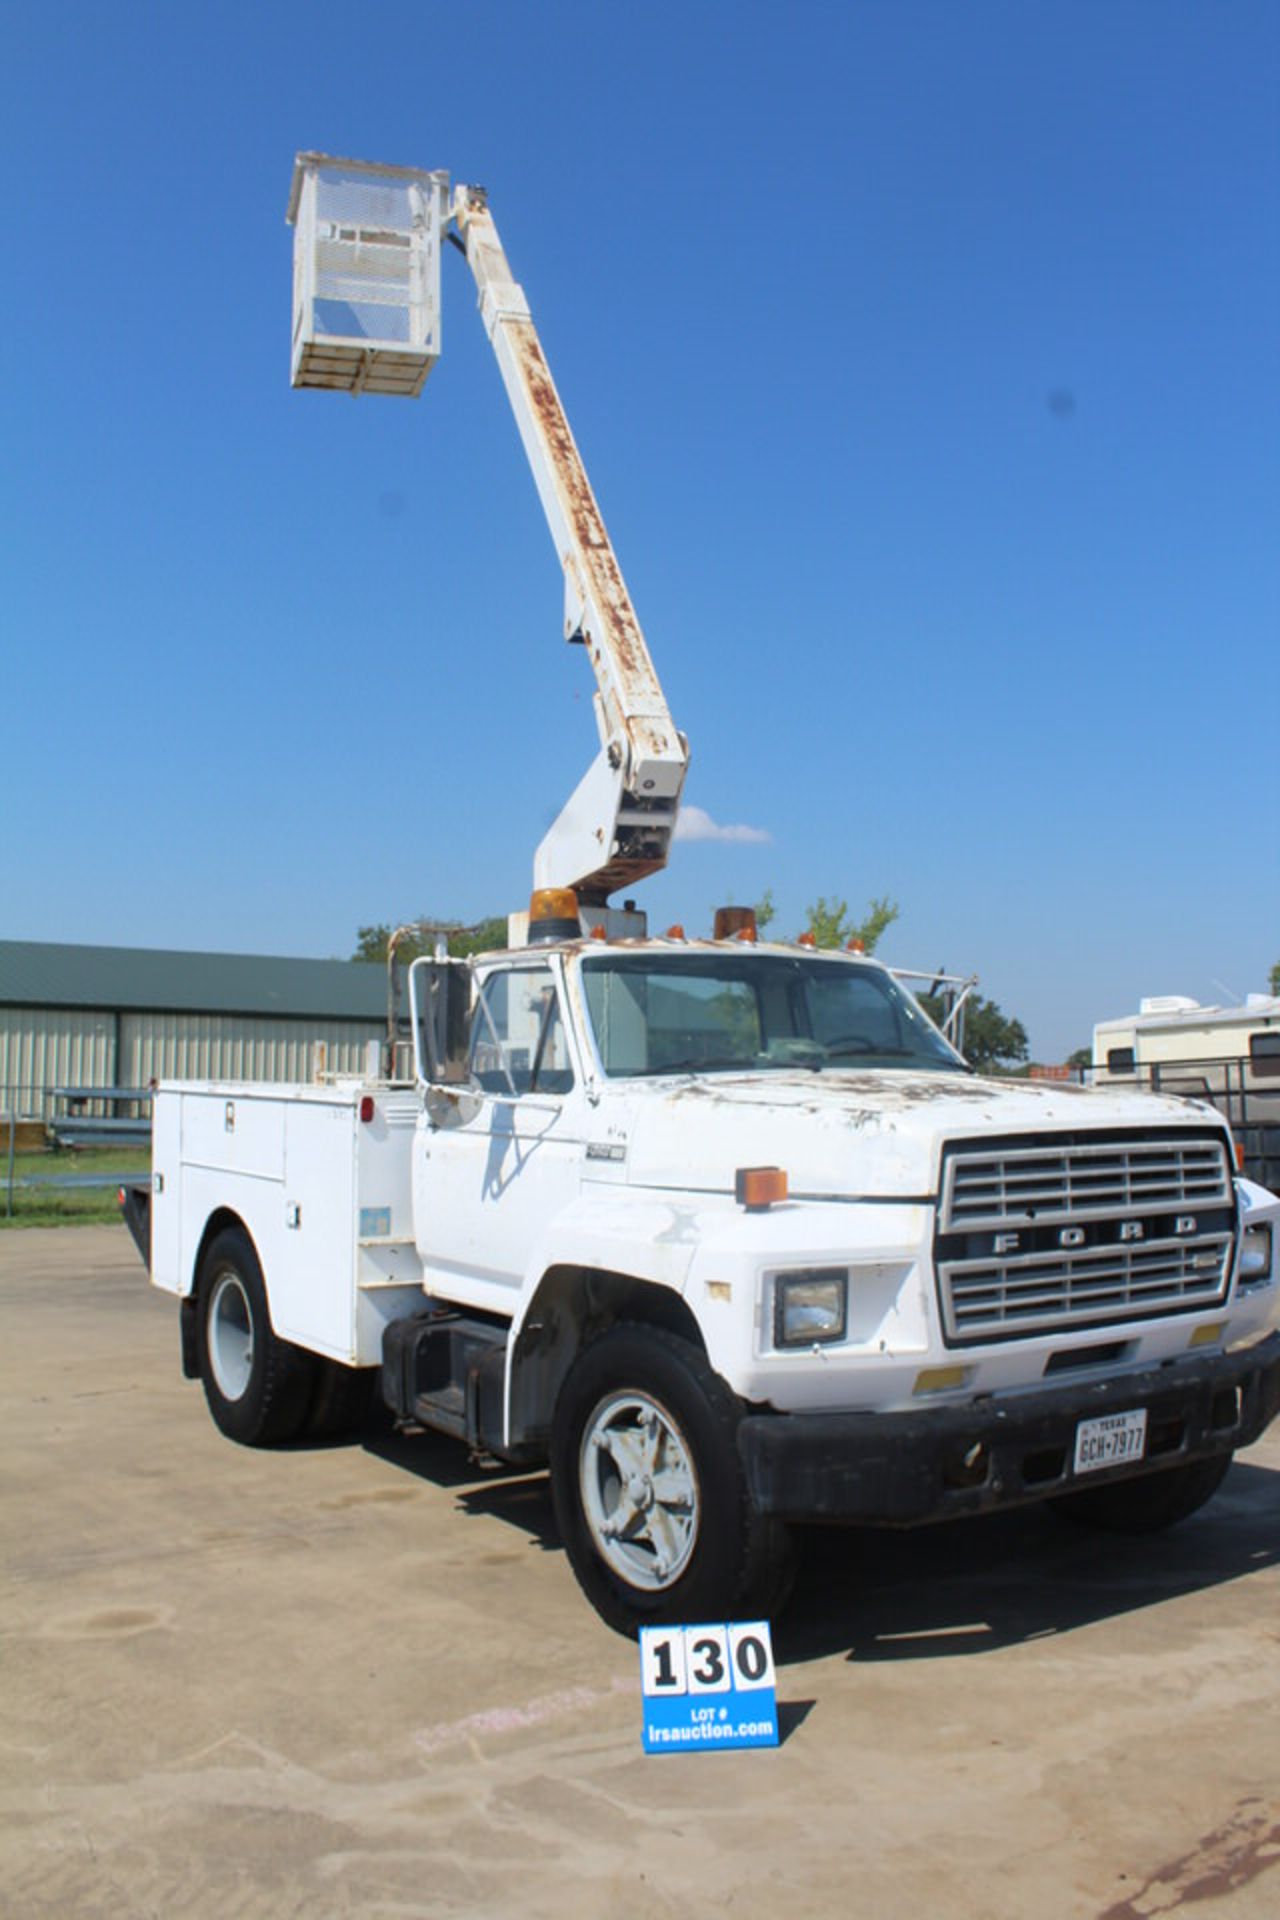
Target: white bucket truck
[(724, 1232)]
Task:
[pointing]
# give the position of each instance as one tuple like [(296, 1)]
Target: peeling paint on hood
[(855, 1135)]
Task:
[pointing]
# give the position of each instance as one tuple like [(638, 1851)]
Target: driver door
[(498, 1149)]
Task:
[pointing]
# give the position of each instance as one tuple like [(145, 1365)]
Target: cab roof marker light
[(806, 939), (856, 945), (734, 923), (674, 932)]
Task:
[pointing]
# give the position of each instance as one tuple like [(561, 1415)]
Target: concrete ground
[(360, 1680)]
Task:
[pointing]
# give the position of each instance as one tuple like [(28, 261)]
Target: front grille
[(1082, 1180), (1053, 1233)]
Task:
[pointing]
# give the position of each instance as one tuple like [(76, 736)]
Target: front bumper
[(901, 1469)]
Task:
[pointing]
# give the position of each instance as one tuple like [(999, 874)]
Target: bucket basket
[(366, 274)]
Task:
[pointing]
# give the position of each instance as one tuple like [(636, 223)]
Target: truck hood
[(854, 1135)]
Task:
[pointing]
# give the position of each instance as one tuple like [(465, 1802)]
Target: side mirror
[(440, 1003)]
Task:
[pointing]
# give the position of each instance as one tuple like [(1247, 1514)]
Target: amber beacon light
[(553, 915)]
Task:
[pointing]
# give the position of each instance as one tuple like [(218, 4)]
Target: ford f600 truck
[(724, 1232)]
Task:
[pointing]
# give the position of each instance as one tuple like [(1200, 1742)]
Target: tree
[(830, 925), (829, 922), (1275, 977), (1082, 1057), (992, 1042), (484, 937), (372, 942)]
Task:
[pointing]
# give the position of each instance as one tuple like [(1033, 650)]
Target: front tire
[(1149, 1503), (649, 1492), (257, 1386)]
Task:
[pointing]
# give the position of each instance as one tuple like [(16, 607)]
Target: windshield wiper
[(880, 1054)]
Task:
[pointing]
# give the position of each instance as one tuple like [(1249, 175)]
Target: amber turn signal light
[(756, 1188)]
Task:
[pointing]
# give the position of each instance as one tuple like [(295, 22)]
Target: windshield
[(743, 1011)]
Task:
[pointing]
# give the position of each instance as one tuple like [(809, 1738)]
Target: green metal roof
[(37, 973)]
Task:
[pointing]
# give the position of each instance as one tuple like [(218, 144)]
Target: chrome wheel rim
[(640, 1491)]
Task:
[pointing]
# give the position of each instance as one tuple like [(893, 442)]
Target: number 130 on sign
[(708, 1686)]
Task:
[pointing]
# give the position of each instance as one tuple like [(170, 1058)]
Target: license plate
[(1111, 1440)]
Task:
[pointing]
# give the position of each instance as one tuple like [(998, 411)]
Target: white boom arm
[(618, 823)]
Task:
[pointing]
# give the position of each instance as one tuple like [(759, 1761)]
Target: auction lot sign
[(709, 1686)]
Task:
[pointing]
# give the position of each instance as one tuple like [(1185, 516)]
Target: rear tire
[(649, 1492), (257, 1386), (1149, 1503)]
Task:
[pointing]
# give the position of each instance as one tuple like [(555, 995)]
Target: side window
[(1264, 1051), (518, 1042)]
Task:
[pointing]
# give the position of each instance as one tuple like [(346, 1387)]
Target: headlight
[(1255, 1256), (810, 1305)]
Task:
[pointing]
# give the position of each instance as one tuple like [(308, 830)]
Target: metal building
[(123, 1016)]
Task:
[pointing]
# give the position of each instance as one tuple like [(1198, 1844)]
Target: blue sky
[(924, 358)]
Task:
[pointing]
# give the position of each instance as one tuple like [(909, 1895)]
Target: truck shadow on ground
[(512, 1494), (960, 1588), (973, 1586)]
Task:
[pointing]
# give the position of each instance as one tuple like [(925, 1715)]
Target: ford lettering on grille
[(1048, 1233)]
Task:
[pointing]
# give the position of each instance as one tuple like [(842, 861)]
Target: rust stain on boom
[(618, 824), (631, 655)]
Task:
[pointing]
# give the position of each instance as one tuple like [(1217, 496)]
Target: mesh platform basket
[(366, 274)]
